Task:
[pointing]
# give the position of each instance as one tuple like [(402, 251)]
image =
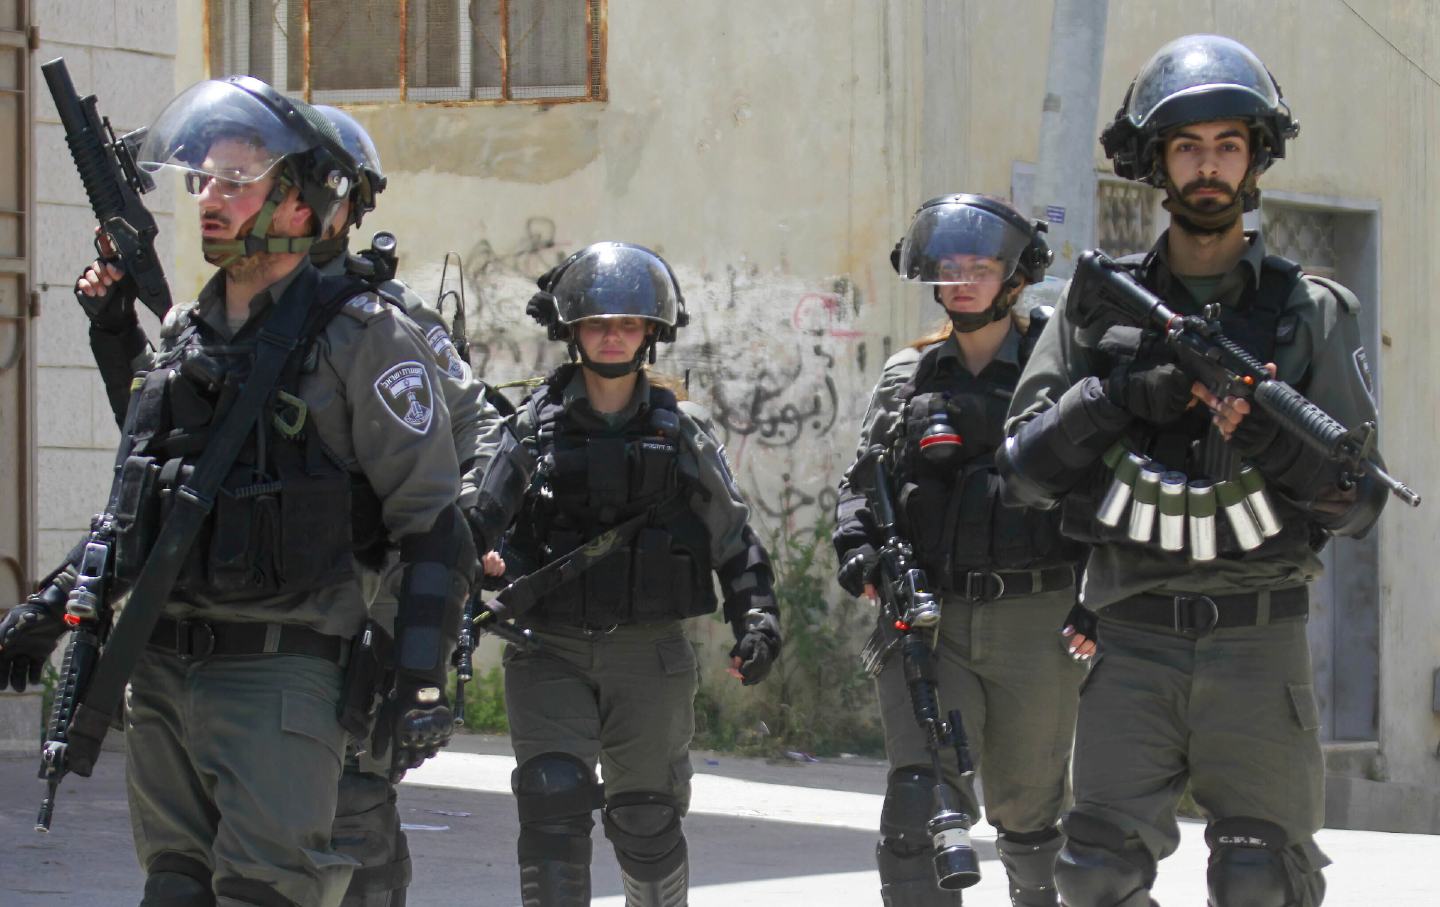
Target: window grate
[(419, 51), (1125, 217), (1303, 235)]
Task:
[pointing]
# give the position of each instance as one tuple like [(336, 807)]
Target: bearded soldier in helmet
[(1203, 674), (639, 480), (234, 739), (1005, 574)]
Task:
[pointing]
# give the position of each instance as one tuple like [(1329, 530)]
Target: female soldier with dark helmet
[(613, 677), (1004, 575)]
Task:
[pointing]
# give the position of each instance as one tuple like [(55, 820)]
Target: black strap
[(989, 585), (1198, 614), (191, 639), (192, 502), (520, 596)]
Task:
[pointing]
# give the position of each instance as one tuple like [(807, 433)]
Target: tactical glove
[(858, 569), (1159, 394), (1255, 435), (28, 634), (1085, 621), (113, 310), (757, 644), (416, 720)]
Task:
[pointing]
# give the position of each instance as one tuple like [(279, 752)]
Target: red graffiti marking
[(819, 314)]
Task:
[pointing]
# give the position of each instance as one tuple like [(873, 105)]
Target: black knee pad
[(367, 829), (909, 804), (176, 880), (646, 831), (1101, 866), (1247, 864), (555, 794)]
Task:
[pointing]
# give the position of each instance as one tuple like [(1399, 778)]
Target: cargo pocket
[(676, 655), (310, 716), (1302, 705)]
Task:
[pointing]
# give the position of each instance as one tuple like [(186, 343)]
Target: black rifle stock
[(909, 612), (1210, 357), (114, 184)]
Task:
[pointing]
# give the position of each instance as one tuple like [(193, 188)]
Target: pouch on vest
[(137, 516), (664, 579), (370, 663)]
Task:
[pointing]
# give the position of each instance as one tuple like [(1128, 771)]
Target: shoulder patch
[(446, 356), (1362, 367), (405, 390)]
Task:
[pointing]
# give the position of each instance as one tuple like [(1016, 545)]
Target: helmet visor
[(611, 280), (354, 137), (1169, 90), (959, 243), (219, 129)]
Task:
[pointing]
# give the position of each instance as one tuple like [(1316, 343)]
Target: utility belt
[(1196, 614), (982, 586), (191, 640)]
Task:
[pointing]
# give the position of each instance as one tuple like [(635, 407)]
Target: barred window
[(1125, 221), (371, 51)]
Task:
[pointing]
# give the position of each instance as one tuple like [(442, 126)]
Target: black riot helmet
[(361, 148), (948, 227), (273, 133), (1195, 79), (610, 280)]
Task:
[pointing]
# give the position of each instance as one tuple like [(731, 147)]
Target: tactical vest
[(596, 479), (955, 517), (1258, 323), (282, 521)]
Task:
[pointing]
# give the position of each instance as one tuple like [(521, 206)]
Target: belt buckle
[(187, 632), (1184, 611), (983, 575)]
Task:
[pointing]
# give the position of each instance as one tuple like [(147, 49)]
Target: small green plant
[(817, 699), (484, 702)]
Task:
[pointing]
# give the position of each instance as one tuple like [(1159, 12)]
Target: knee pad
[(1247, 864), (1101, 866), (367, 829), (555, 794), (175, 880), (909, 804), (1029, 861), (645, 828)]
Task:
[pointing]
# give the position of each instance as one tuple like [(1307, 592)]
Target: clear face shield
[(613, 280), (951, 244), (217, 130)]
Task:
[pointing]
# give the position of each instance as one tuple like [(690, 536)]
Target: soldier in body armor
[(234, 741), (1204, 672), (367, 823), (614, 677), (1007, 576)]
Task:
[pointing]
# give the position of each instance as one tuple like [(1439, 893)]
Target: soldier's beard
[(1206, 216)]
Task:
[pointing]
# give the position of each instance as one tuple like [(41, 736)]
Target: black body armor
[(596, 479), (1190, 445), (953, 513), (282, 521)]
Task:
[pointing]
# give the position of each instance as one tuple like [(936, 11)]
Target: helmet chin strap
[(969, 322), (1210, 221), (226, 252), (615, 369)]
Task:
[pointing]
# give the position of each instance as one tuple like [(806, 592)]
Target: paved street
[(760, 834)]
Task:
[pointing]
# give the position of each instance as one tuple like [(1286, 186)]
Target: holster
[(368, 676)]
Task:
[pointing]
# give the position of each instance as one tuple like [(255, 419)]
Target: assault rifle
[(909, 613), (114, 185), (1207, 355), (88, 614)]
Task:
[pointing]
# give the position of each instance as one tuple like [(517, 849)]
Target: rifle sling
[(279, 335), (522, 595)]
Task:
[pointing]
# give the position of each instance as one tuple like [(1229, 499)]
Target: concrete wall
[(774, 152), (123, 52)]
